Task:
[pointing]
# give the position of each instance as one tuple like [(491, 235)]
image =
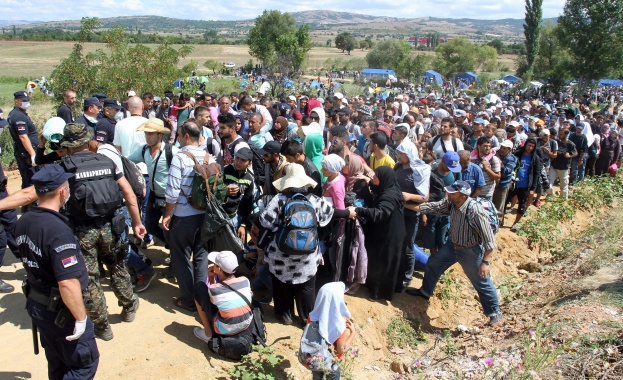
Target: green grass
[(404, 332)]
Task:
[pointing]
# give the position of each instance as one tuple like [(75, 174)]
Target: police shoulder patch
[(71, 260), (63, 247)]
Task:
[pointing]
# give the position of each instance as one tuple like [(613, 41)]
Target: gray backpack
[(314, 351)]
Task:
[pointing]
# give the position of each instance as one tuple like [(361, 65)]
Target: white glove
[(32, 160), (78, 330)]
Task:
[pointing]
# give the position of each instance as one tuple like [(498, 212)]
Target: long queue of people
[(316, 190)]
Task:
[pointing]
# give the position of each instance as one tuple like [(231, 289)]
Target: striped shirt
[(234, 314), (476, 231), (180, 181)]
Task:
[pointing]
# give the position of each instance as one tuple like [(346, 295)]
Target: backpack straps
[(259, 338)]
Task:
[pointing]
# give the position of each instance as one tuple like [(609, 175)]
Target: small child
[(333, 319)]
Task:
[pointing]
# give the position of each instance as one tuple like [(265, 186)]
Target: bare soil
[(160, 342)]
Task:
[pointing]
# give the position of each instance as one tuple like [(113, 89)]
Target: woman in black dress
[(384, 231)]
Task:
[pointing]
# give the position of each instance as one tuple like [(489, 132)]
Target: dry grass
[(34, 59)]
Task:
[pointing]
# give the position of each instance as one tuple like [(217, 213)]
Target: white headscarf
[(421, 170), (588, 132), (321, 116), (333, 163), (330, 311)]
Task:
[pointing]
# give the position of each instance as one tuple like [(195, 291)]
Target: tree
[(213, 65), (345, 41), (532, 31), (553, 62), (121, 68), (369, 42), (329, 42), (275, 37), (497, 44), (460, 55), (414, 66), (593, 32), (87, 26), (389, 54)]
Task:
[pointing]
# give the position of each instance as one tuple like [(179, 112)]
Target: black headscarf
[(388, 184)]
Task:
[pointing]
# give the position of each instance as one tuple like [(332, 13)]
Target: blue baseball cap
[(92, 101), (451, 159), (479, 121), (459, 187), (99, 96), (112, 103), (22, 95), (49, 178)]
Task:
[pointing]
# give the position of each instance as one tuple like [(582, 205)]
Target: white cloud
[(39, 10)]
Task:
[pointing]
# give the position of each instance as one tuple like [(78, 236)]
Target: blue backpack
[(299, 232), (314, 351), (492, 212)]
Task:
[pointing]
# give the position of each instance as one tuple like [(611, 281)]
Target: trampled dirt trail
[(160, 342)]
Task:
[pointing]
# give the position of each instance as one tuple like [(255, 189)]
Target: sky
[(45, 10)]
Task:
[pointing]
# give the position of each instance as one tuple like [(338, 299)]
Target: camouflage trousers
[(98, 244)]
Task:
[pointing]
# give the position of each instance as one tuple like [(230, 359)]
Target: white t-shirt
[(112, 153), (265, 114), (129, 139), (438, 149)]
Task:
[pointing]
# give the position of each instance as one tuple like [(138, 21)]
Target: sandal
[(179, 303)]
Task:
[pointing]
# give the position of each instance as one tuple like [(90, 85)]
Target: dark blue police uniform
[(8, 218), (105, 130), (83, 120), (21, 124), (51, 253)]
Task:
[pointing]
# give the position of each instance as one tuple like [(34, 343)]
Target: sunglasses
[(315, 118)]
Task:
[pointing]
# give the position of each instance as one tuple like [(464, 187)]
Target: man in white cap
[(221, 310)]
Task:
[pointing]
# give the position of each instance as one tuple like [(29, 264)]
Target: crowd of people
[(316, 190)]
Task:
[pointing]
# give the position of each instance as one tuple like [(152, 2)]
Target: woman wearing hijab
[(609, 152), (293, 276), (413, 177), (279, 132), (385, 232), (335, 186), (333, 319)]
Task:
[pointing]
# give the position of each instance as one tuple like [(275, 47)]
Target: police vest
[(95, 195)]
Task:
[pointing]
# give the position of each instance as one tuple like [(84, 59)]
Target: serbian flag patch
[(71, 260)]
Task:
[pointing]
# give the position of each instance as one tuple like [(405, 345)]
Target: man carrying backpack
[(157, 155), (471, 243)]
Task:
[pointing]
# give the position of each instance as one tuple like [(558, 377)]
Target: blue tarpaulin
[(178, 83), (467, 77), (244, 84), (610, 82), (432, 77), (510, 78), (377, 73), (314, 84)]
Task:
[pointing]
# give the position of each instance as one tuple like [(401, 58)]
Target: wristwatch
[(486, 262)]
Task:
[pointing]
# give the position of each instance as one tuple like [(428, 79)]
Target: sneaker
[(201, 335), (417, 293), (265, 300), (144, 280), (104, 332), (168, 273), (129, 312), (495, 319), (6, 287), (514, 228), (147, 243)]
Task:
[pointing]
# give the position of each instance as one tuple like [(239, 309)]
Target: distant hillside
[(324, 25)]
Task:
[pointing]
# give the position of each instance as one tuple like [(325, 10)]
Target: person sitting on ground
[(222, 311)]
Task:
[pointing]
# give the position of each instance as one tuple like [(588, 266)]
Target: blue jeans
[(408, 255), (435, 233), (577, 171), (132, 260), (470, 260)]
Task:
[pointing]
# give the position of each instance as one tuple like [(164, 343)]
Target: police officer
[(57, 275), (92, 218), (25, 137), (64, 111), (105, 127), (91, 109)]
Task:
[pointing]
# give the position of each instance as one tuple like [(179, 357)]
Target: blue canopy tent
[(467, 77), (432, 77), (314, 84), (244, 84), (384, 73), (383, 96), (287, 83), (610, 82), (178, 83), (510, 78)]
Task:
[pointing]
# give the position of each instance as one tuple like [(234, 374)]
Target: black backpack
[(94, 192), (259, 167), (443, 146), (134, 175), (168, 152), (299, 233)]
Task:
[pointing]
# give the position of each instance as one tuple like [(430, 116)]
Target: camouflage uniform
[(99, 244)]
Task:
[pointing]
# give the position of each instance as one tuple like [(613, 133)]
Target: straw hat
[(153, 125), (294, 177)]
